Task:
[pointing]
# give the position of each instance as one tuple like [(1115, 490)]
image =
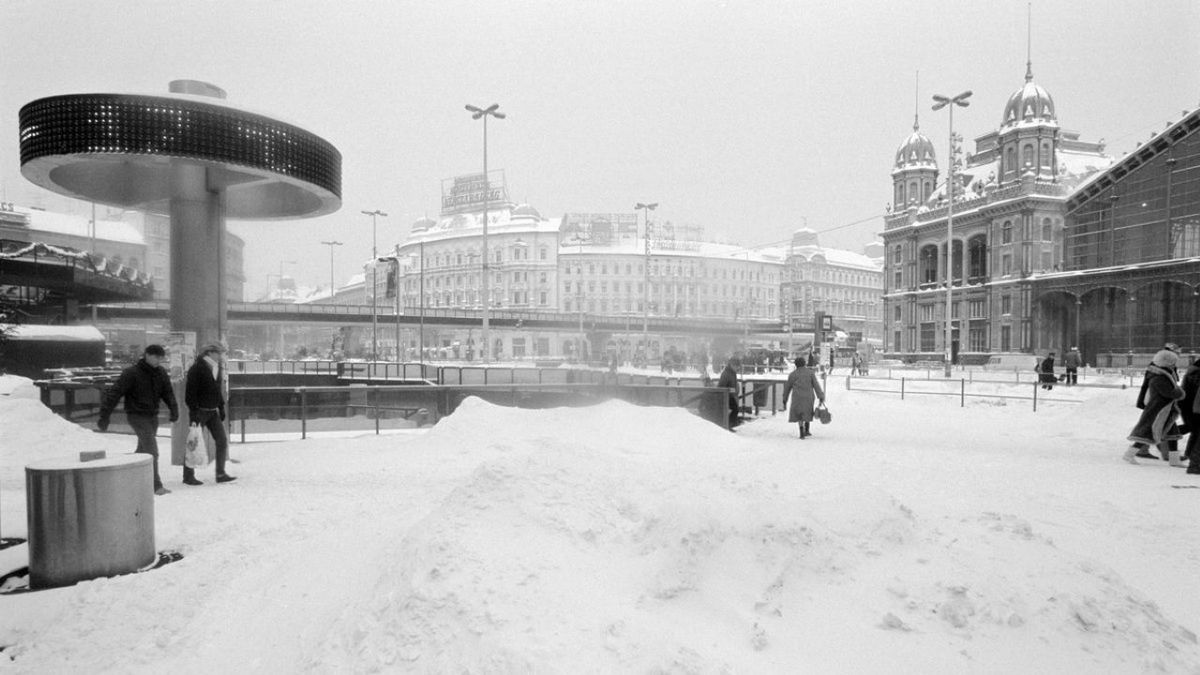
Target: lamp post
[(331, 244), (939, 103), (374, 291), (579, 239), (646, 209), (491, 111), (421, 289)]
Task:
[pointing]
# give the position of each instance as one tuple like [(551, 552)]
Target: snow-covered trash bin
[(89, 519)]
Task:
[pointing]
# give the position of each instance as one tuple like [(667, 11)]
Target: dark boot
[(189, 477)]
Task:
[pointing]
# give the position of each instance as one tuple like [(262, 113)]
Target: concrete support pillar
[(198, 300)]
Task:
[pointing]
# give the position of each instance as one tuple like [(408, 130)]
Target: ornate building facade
[(1009, 207)]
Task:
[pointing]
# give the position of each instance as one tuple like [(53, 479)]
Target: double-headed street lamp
[(331, 244), (646, 209), (491, 111), (374, 291), (939, 103)]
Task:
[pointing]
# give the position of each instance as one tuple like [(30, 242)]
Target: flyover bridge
[(266, 313)]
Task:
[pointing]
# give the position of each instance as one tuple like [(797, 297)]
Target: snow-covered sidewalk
[(907, 536)]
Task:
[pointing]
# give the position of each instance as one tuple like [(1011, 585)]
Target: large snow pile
[(908, 536)]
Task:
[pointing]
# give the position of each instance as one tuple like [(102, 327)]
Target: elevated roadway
[(264, 313)]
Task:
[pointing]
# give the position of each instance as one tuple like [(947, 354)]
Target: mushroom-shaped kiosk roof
[(119, 149)]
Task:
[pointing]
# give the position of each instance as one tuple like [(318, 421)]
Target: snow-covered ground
[(906, 536)]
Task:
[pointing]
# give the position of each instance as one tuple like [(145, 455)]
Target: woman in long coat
[(803, 388), (1158, 400)]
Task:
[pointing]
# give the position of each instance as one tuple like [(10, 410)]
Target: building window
[(1006, 338), (1006, 264), (1047, 229), (896, 313), (1006, 232), (926, 312), (977, 309), (928, 337), (896, 341), (1006, 304), (977, 338)]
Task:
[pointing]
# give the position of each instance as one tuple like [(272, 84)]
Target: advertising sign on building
[(470, 192), (599, 229)]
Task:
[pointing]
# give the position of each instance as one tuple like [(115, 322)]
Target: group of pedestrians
[(1165, 401), (146, 384), (1045, 369)]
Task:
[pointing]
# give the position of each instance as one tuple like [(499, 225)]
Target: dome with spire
[(1030, 103), (916, 152)]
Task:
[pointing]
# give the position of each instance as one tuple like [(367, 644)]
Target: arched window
[(899, 195), (1010, 160), (1046, 154), (977, 258), (929, 264), (1027, 156), (898, 254), (928, 191), (1047, 229), (1006, 232), (914, 192)]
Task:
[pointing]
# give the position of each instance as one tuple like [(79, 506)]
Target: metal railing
[(905, 390)]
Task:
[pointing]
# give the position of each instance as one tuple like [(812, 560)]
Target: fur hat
[(211, 347), (1165, 358), (155, 350)]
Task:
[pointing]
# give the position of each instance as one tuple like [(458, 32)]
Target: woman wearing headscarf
[(1158, 400), (803, 388)]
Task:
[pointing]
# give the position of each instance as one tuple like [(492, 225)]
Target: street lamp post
[(579, 296), (646, 209), (374, 291), (331, 244), (939, 103), (491, 111)]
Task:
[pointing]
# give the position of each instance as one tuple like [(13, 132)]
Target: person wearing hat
[(205, 400), (143, 385), (804, 390), (729, 380), (1072, 361), (1045, 371), (1159, 400)]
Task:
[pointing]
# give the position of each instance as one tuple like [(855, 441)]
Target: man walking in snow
[(1045, 372), (1072, 361), (143, 385), (1158, 400), (729, 380)]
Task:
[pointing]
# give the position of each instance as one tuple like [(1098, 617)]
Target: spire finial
[(917, 103), (1029, 42)]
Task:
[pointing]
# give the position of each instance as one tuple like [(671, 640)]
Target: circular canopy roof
[(118, 149)]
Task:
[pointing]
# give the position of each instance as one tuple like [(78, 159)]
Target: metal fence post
[(1035, 391), (303, 413), (243, 422), (962, 399), (902, 389)]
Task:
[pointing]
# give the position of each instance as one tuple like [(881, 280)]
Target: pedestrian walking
[(1158, 400), (1190, 409), (206, 406), (803, 388), (729, 380), (1045, 370), (1072, 362), (855, 364), (143, 385)]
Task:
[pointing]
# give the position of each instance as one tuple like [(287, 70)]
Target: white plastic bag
[(196, 455)]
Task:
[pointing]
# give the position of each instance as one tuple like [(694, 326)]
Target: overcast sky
[(743, 117)]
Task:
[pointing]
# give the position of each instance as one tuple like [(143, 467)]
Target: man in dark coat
[(728, 380), (143, 385), (1158, 400), (1046, 372), (206, 407)]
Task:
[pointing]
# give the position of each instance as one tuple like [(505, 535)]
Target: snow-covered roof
[(62, 223), (64, 333), (841, 258)]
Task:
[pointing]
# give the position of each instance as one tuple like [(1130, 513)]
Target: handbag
[(196, 454), (824, 415)]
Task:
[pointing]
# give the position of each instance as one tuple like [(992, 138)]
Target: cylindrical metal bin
[(89, 519)]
